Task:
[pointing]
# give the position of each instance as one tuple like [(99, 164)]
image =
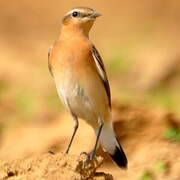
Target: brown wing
[(102, 72)]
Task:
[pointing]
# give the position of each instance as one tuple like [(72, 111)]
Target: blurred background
[(139, 42)]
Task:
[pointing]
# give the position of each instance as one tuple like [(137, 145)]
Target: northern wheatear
[(81, 81)]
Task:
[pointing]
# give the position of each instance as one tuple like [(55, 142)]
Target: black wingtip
[(120, 158)]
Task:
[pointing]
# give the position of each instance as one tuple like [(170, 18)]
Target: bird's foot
[(89, 157)]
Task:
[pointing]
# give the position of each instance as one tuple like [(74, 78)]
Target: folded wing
[(102, 72)]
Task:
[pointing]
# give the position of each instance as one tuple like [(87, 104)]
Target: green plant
[(172, 133), (160, 166), (146, 175)]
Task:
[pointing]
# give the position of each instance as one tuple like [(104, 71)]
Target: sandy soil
[(140, 132), (53, 166)]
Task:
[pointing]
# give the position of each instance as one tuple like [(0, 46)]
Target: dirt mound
[(150, 139), (53, 166)]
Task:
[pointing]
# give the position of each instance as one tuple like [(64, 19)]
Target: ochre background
[(139, 41)]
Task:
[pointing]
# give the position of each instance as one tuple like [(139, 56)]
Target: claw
[(89, 158)]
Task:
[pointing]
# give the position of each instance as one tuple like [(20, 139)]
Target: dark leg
[(91, 155), (76, 124), (97, 140)]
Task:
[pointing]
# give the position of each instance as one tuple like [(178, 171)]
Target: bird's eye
[(74, 14)]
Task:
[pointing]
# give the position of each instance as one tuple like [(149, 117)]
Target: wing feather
[(102, 72)]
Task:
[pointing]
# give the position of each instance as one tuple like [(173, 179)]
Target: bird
[(81, 81)]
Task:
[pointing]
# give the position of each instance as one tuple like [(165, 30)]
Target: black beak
[(95, 15)]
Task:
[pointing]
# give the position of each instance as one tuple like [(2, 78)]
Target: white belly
[(74, 98)]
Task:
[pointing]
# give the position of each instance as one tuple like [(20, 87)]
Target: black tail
[(119, 157), (111, 145)]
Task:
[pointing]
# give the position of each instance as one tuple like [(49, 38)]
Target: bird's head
[(81, 18)]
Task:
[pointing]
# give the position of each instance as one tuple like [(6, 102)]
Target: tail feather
[(111, 145), (119, 157)]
